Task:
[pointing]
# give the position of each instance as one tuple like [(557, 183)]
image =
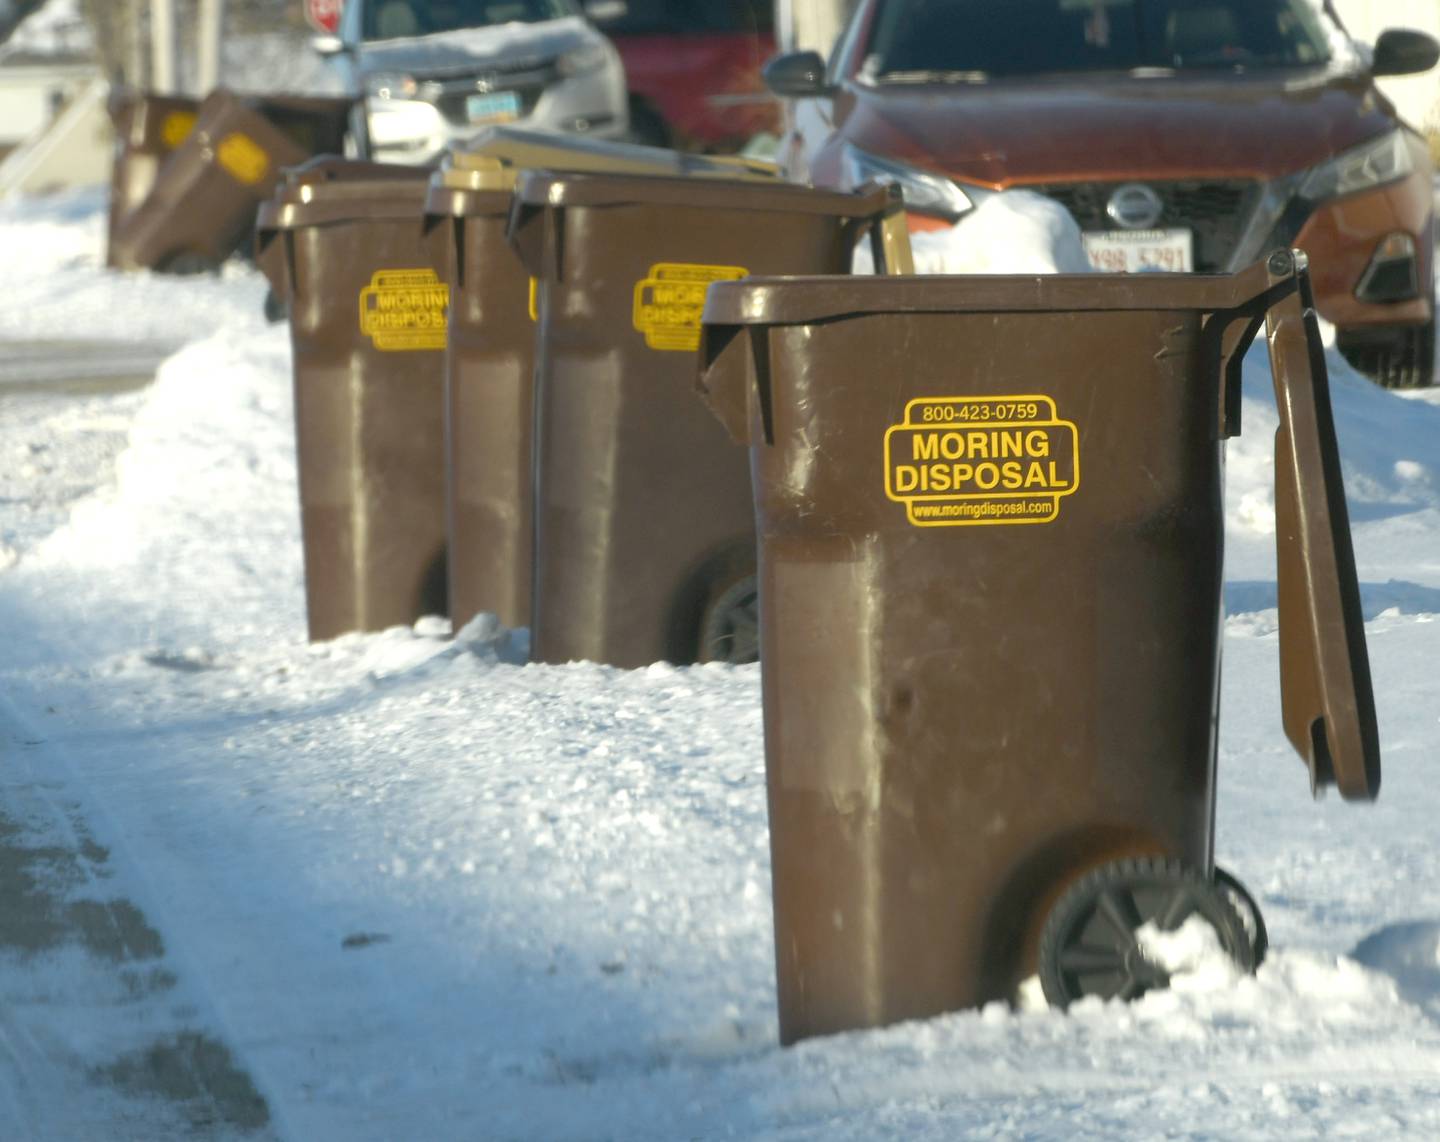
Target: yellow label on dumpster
[(405, 310), (175, 128), (243, 158), (669, 303), (965, 461)]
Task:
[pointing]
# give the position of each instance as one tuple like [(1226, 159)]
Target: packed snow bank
[(1387, 445), (218, 406), (1391, 465), (1016, 232), (55, 254), (1410, 955)]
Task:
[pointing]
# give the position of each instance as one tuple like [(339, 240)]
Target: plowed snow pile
[(430, 893)]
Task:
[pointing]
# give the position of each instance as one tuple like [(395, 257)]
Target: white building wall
[(1417, 97), (31, 96), (75, 150)]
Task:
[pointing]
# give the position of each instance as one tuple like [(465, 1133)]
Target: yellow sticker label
[(175, 128), (534, 299), (670, 302), (243, 157), (966, 461), (405, 310)]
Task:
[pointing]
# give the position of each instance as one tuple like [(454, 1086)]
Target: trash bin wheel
[(1089, 944), (730, 626), (189, 262), (1249, 910)]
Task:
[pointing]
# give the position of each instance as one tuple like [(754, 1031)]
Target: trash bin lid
[(565, 188), (514, 149), (483, 185), (328, 190), (478, 176), (802, 300)]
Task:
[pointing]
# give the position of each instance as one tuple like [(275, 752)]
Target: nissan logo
[(1135, 207)]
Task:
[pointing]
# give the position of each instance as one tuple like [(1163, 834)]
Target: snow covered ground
[(410, 888)]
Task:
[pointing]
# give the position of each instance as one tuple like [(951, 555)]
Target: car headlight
[(391, 85), (923, 190), (1380, 161), (591, 57)]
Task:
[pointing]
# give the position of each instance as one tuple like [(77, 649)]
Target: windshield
[(395, 19), (684, 17), (977, 39)]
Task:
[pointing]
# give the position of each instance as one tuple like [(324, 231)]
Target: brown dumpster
[(147, 128), (202, 206), (990, 556), (490, 365), (345, 243), (644, 536)]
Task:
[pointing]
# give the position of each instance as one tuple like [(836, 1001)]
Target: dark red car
[(693, 68), (1181, 134)]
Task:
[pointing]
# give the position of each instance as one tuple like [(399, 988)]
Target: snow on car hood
[(497, 44)]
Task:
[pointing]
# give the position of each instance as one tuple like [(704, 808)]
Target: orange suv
[(1182, 135)]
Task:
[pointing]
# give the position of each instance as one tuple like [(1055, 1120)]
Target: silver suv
[(430, 72)]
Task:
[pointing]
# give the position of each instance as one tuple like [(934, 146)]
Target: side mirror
[(1400, 51), (328, 45), (798, 75)]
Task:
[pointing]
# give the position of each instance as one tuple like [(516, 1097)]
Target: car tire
[(1398, 357)]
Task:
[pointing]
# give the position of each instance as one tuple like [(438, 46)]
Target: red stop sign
[(324, 15)]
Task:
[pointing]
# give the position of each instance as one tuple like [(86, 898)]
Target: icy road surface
[(401, 887)]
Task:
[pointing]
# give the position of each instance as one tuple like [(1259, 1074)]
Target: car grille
[(527, 78), (1217, 212)]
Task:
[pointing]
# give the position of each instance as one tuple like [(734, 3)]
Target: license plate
[(1133, 251), (500, 107)]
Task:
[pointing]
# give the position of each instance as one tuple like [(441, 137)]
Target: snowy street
[(402, 886)]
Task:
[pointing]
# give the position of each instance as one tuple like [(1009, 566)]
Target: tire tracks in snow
[(105, 1032)]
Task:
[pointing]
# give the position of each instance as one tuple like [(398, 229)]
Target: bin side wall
[(638, 488), (489, 427), (961, 718), (369, 425)]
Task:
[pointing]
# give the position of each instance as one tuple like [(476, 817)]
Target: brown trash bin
[(147, 128), (644, 531), (346, 244), (991, 524), (203, 204), (490, 360)]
